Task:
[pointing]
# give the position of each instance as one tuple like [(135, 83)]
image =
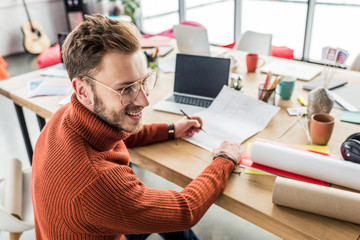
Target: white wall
[(49, 13)]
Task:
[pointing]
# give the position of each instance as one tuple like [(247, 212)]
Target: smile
[(133, 113)]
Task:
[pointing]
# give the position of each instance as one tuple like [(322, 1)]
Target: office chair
[(254, 42), (9, 223)]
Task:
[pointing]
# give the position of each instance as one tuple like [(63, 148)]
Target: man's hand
[(231, 149), (187, 127)]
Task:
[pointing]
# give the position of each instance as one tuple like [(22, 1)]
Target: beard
[(119, 120)]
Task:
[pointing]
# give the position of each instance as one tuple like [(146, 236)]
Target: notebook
[(301, 71), (348, 97), (194, 40), (334, 83), (198, 80)]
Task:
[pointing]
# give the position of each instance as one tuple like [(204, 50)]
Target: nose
[(142, 99)]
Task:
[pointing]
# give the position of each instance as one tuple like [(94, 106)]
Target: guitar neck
[(28, 16)]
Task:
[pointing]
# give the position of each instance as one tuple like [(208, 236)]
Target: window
[(285, 20), (216, 16), (335, 25), (303, 25), (159, 15)]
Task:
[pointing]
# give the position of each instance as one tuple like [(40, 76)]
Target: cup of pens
[(266, 90), (266, 94), (152, 58)]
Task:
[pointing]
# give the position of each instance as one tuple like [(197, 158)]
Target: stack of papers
[(48, 86), (233, 117)]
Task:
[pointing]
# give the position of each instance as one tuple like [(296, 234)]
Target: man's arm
[(118, 202), (158, 132)]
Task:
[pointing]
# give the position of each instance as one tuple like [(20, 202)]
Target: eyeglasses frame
[(142, 79)]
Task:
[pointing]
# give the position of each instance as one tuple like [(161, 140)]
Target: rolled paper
[(330, 202), (13, 182), (309, 164)]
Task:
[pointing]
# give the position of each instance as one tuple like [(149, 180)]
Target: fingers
[(187, 127), (232, 149), (197, 119)]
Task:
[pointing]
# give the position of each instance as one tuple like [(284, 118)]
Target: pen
[(188, 117)]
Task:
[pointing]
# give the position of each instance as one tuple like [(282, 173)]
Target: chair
[(9, 223), (355, 66), (254, 42)]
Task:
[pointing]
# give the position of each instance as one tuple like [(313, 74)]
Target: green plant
[(130, 7)]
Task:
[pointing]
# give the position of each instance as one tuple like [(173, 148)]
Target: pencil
[(188, 117), (155, 52)]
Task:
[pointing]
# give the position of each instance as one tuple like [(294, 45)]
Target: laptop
[(301, 71), (198, 80), (194, 40)]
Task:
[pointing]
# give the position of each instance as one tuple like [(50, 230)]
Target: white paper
[(301, 71), (314, 165), (57, 70), (233, 117), (48, 86)]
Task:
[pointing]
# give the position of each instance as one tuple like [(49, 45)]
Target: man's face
[(120, 70)]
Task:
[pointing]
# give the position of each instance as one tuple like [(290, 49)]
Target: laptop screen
[(201, 75)]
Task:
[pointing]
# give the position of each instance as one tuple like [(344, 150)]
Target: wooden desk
[(248, 196)]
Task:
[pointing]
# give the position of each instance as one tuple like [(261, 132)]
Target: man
[(82, 185)]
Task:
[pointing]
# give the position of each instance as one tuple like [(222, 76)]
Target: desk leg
[(41, 122), (25, 133)]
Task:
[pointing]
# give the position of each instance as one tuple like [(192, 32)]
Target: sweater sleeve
[(118, 202), (150, 133)]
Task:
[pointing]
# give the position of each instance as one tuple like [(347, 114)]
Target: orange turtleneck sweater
[(83, 187)]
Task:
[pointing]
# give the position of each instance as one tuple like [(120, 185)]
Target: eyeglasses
[(129, 93)]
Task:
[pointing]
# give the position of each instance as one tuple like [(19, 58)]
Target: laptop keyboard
[(193, 101)]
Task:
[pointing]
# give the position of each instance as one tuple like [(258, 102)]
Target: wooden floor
[(217, 224)]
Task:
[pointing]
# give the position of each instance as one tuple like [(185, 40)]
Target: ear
[(83, 92)]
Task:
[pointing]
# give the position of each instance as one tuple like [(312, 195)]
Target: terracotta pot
[(321, 127)]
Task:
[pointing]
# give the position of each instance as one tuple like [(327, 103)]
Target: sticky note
[(353, 117)]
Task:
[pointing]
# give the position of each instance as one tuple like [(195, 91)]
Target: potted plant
[(123, 7)]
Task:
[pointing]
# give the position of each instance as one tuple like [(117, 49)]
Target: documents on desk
[(48, 86), (232, 116)]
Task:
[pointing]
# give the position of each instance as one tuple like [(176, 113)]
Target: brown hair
[(85, 47)]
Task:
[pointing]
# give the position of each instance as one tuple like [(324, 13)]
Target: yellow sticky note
[(321, 149), (252, 171)]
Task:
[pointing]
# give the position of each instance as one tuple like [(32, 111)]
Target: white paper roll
[(317, 199), (13, 188), (308, 164)]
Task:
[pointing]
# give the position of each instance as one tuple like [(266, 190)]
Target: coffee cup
[(286, 87), (321, 127), (252, 62)]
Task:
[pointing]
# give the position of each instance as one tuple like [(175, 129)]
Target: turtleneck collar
[(98, 133)]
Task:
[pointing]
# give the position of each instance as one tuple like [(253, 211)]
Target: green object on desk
[(353, 117), (152, 65)]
